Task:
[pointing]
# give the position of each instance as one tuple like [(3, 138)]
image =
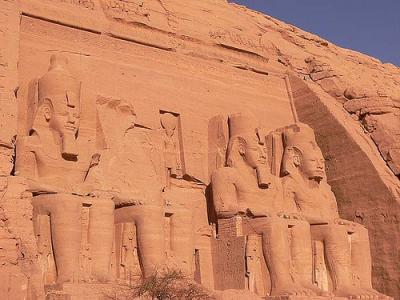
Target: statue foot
[(352, 292), (378, 295), (102, 278), (292, 290), (319, 292), (326, 294), (62, 278)]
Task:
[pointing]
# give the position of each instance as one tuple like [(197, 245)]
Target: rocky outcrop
[(194, 60)]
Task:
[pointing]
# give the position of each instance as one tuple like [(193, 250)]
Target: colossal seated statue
[(305, 184), (128, 175), (135, 171), (51, 161), (246, 188)]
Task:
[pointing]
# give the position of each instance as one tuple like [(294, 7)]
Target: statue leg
[(149, 221), (101, 236), (338, 254), (361, 259), (150, 237), (361, 256), (275, 235), (182, 243), (301, 247), (40, 270), (65, 217), (337, 251)]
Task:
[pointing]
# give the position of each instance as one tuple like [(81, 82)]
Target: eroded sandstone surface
[(133, 132)]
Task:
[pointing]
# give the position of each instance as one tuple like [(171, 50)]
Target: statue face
[(169, 132), (131, 122), (64, 119), (253, 153), (312, 164)]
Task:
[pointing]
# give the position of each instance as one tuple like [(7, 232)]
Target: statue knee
[(302, 227), (361, 230), (104, 204), (336, 234), (360, 235)]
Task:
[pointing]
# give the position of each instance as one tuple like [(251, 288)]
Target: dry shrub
[(171, 285)]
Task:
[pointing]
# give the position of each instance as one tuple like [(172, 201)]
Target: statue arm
[(292, 197), (224, 194), (25, 165), (331, 211), (26, 149), (128, 199), (120, 199)]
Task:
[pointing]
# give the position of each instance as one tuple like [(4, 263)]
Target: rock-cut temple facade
[(138, 139)]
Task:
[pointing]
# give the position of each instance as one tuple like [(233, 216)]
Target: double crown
[(242, 124), (299, 135), (58, 84)]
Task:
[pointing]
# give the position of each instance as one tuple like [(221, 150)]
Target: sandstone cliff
[(226, 58)]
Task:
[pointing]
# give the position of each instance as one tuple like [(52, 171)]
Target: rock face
[(129, 146)]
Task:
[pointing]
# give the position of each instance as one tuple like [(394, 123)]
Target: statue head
[(169, 123), (127, 115), (58, 61), (302, 153), (244, 147), (59, 105)]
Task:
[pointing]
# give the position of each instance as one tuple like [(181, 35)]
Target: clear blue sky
[(368, 26)]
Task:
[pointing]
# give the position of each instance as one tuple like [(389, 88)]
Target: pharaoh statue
[(246, 188), (128, 175), (50, 159), (346, 244)]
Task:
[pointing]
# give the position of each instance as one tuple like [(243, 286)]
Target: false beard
[(69, 148), (317, 178), (264, 176)]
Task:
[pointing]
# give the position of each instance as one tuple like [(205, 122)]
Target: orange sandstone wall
[(200, 59)]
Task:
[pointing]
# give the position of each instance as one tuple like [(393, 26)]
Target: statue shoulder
[(289, 180), (30, 143), (327, 190), (227, 174)]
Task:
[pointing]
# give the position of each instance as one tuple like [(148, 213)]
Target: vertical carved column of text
[(9, 44), (15, 281)]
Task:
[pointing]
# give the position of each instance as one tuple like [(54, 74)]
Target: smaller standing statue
[(171, 155)]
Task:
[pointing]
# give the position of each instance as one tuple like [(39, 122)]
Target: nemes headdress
[(298, 137), (242, 127)]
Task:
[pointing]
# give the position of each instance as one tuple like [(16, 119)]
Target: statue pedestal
[(81, 291), (303, 298), (230, 228)]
